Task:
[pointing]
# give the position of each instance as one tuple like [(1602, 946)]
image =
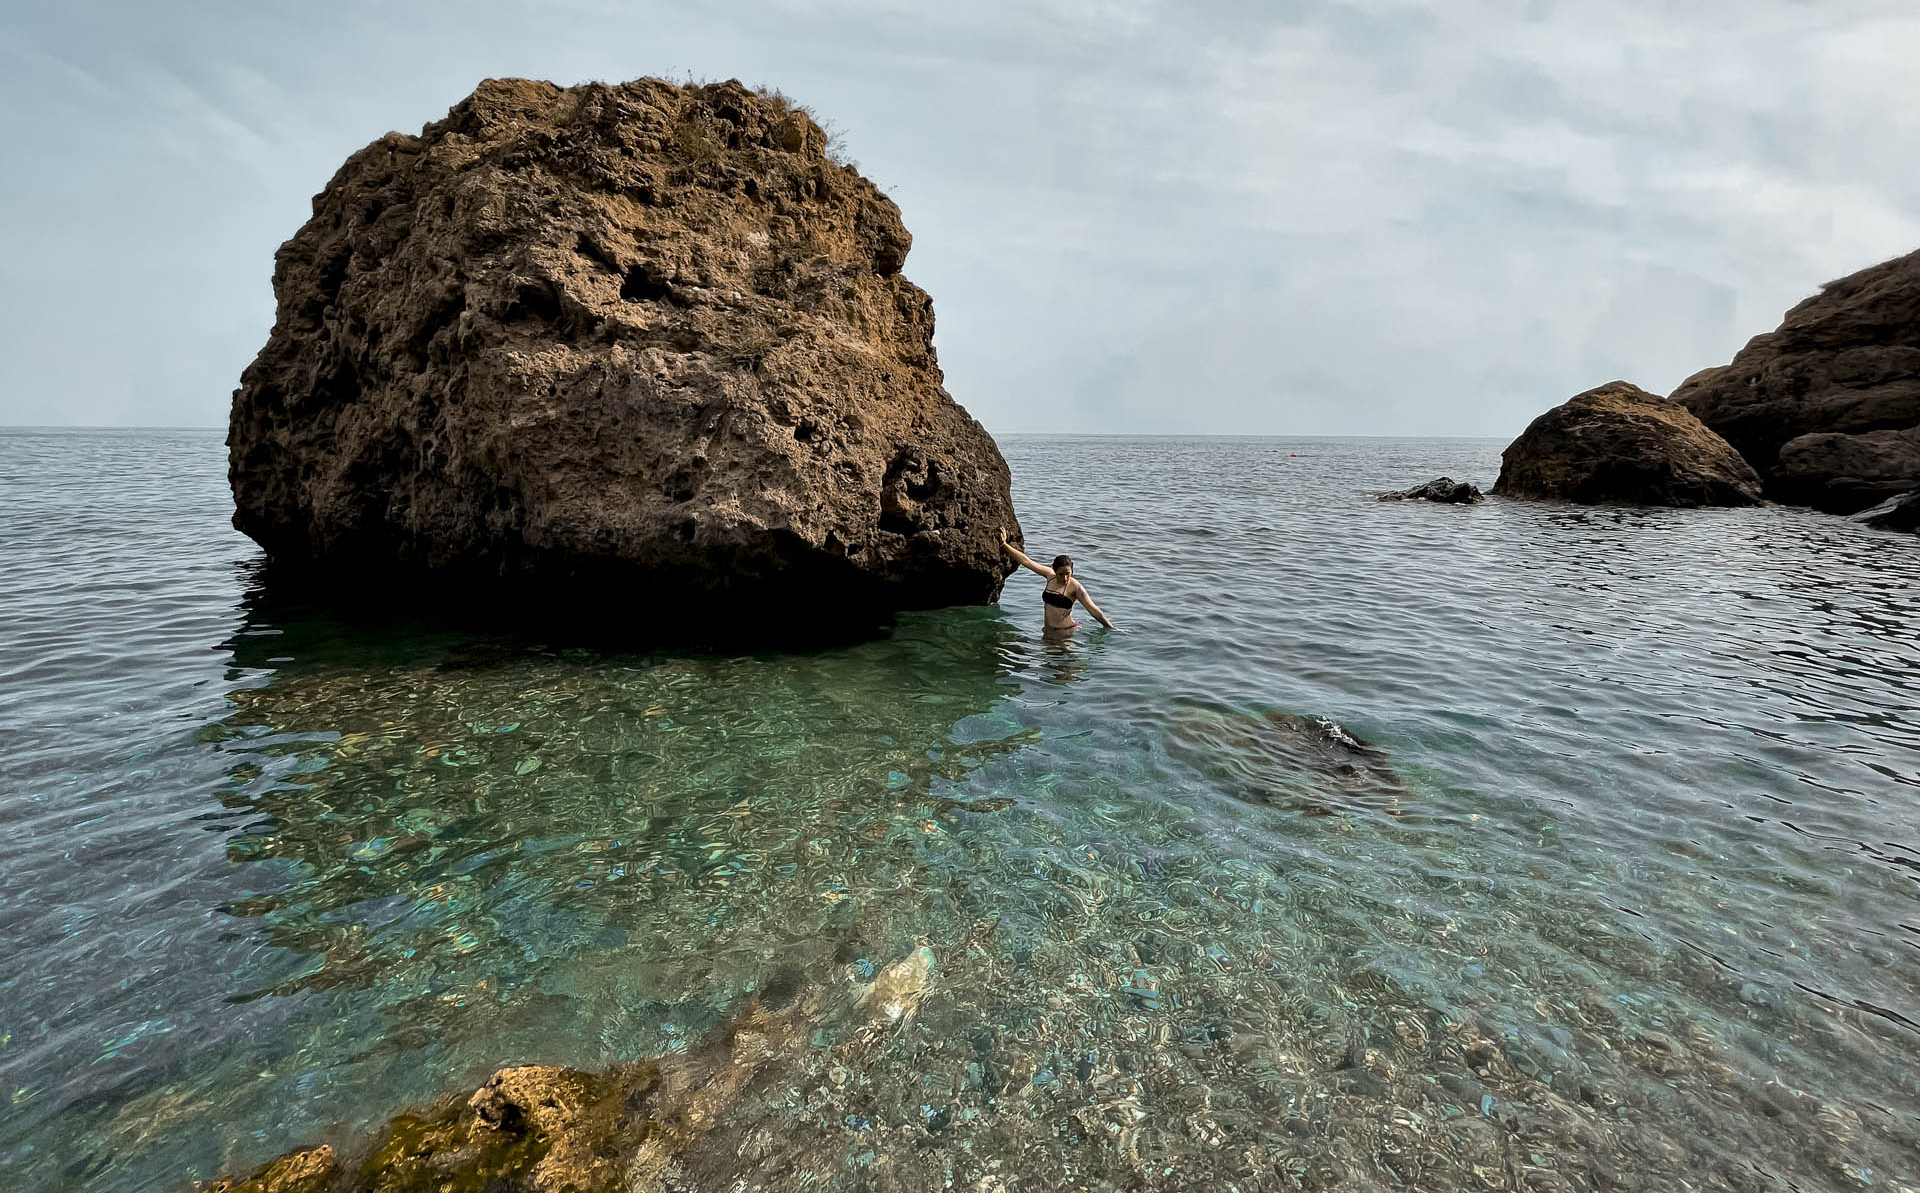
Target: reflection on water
[(1489, 847), (458, 822)]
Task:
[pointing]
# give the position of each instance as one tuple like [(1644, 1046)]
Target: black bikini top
[(1058, 600)]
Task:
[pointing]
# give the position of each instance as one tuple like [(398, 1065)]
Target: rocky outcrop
[(646, 344), (1618, 442), (313, 1170), (651, 1126), (1838, 472), (1827, 407), (1895, 513), (1441, 489)]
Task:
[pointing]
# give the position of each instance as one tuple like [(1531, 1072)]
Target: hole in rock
[(538, 300), (894, 518), (644, 284)]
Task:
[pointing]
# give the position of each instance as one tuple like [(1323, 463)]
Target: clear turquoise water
[(1622, 892)]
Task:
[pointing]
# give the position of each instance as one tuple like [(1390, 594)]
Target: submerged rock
[(630, 1128), (547, 1129), (1827, 405), (645, 344), (1443, 489), (1617, 442), (1895, 513), (900, 988), (537, 1127), (1309, 764)]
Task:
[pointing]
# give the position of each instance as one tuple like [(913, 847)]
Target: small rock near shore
[(1443, 489), (1619, 443), (1895, 513)]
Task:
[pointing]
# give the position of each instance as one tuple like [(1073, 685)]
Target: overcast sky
[(1248, 216)]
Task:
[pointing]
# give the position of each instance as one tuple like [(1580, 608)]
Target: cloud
[(1264, 216)]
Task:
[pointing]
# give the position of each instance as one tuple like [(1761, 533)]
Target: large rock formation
[(1617, 442), (647, 343), (1827, 407)]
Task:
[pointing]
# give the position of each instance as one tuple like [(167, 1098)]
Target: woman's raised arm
[(1014, 551)]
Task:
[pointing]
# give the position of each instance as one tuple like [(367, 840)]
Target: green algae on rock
[(549, 1129), (313, 1170)]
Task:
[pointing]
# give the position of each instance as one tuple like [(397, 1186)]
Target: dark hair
[(1062, 561)]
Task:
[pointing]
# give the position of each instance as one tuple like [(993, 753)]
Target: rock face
[(1620, 443), (647, 343), (1442, 489), (1827, 407)]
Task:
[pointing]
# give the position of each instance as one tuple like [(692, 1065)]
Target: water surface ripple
[(1513, 846)]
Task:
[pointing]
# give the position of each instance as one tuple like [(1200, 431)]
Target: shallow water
[(1620, 890)]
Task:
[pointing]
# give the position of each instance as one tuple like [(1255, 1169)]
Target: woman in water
[(1062, 589)]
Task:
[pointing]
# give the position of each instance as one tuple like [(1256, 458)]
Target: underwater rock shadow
[(280, 593), (1274, 758)]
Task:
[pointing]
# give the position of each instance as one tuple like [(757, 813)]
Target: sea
[(1393, 845)]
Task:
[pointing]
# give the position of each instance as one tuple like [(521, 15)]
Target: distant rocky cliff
[(1827, 406), (647, 343)]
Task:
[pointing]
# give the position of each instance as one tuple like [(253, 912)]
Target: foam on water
[(1490, 846)]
